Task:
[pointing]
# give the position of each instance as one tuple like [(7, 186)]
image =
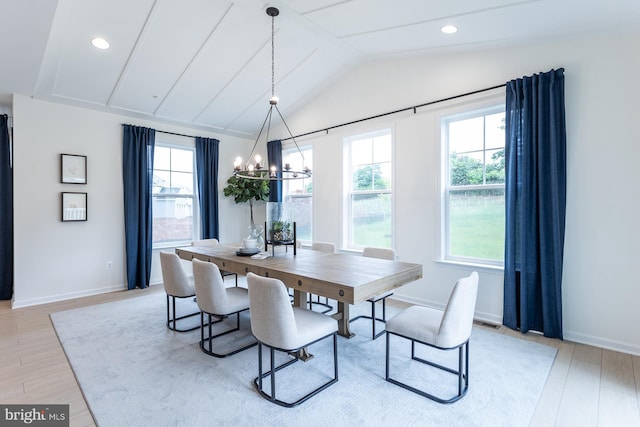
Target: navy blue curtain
[(207, 173), (535, 198), (6, 212), (137, 173), (274, 157)]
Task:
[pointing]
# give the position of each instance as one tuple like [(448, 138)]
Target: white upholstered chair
[(206, 242), (279, 326), (446, 330), (382, 253), (214, 299), (176, 285), (331, 249)]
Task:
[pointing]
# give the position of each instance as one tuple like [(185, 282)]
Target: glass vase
[(279, 223)]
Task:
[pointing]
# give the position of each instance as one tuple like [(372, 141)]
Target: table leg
[(300, 300), (342, 316)]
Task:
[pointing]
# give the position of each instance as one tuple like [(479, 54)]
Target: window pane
[(172, 219), (494, 130), (173, 178), (363, 178), (181, 183), (382, 176), (495, 166), (301, 208), (476, 224), (466, 169), (382, 149), (295, 161), (371, 220), (182, 160), (361, 152), (298, 192), (466, 135), (162, 158), (161, 181)]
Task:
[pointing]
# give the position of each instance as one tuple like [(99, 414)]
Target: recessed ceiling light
[(100, 43), (449, 29)]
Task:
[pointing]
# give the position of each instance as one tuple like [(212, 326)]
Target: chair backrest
[(173, 276), (211, 293), (323, 247), (382, 253), (457, 319), (272, 319), (205, 242)]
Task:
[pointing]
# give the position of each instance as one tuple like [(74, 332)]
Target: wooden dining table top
[(346, 278)]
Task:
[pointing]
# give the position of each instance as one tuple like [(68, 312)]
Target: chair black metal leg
[(172, 320), (373, 318), (258, 383), (463, 375), (260, 365), (273, 375), (211, 337), (326, 304)]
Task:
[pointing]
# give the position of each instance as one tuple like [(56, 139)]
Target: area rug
[(135, 372)]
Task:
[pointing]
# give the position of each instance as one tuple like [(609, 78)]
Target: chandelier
[(257, 169)]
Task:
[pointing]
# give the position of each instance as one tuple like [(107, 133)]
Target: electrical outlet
[(109, 265)]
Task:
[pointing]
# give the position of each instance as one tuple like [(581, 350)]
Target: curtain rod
[(168, 133), (174, 133), (414, 108)]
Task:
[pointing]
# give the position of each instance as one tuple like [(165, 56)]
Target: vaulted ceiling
[(207, 63)]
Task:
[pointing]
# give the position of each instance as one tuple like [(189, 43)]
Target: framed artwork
[(74, 206), (73, 169)]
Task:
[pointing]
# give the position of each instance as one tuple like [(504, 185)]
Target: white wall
[(600, 289), (57, 260)]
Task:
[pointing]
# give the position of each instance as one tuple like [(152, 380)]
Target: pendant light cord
[(273, 57)]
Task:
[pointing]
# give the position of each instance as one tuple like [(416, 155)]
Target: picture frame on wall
[(74, 206), (73, 169)]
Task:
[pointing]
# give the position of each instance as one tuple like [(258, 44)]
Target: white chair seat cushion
[(417, 322), (237, 299), (311, 326), (188, 291)]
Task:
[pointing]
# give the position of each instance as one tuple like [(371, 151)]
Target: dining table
[(346, 278)]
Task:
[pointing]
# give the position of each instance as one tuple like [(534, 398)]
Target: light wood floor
[(587, 386)]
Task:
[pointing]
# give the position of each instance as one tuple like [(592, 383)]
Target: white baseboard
[(568, 335), (602, 343), (62, 297)]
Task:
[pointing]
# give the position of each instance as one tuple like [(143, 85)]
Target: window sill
[(475, 266)]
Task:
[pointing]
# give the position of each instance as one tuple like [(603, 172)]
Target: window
[(299, 192), (369, 171), (474, 186), (174, 201)]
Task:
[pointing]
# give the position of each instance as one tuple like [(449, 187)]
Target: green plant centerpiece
[(247, 190), (281, 231)]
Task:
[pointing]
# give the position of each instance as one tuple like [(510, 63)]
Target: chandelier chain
[(273, 58)]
